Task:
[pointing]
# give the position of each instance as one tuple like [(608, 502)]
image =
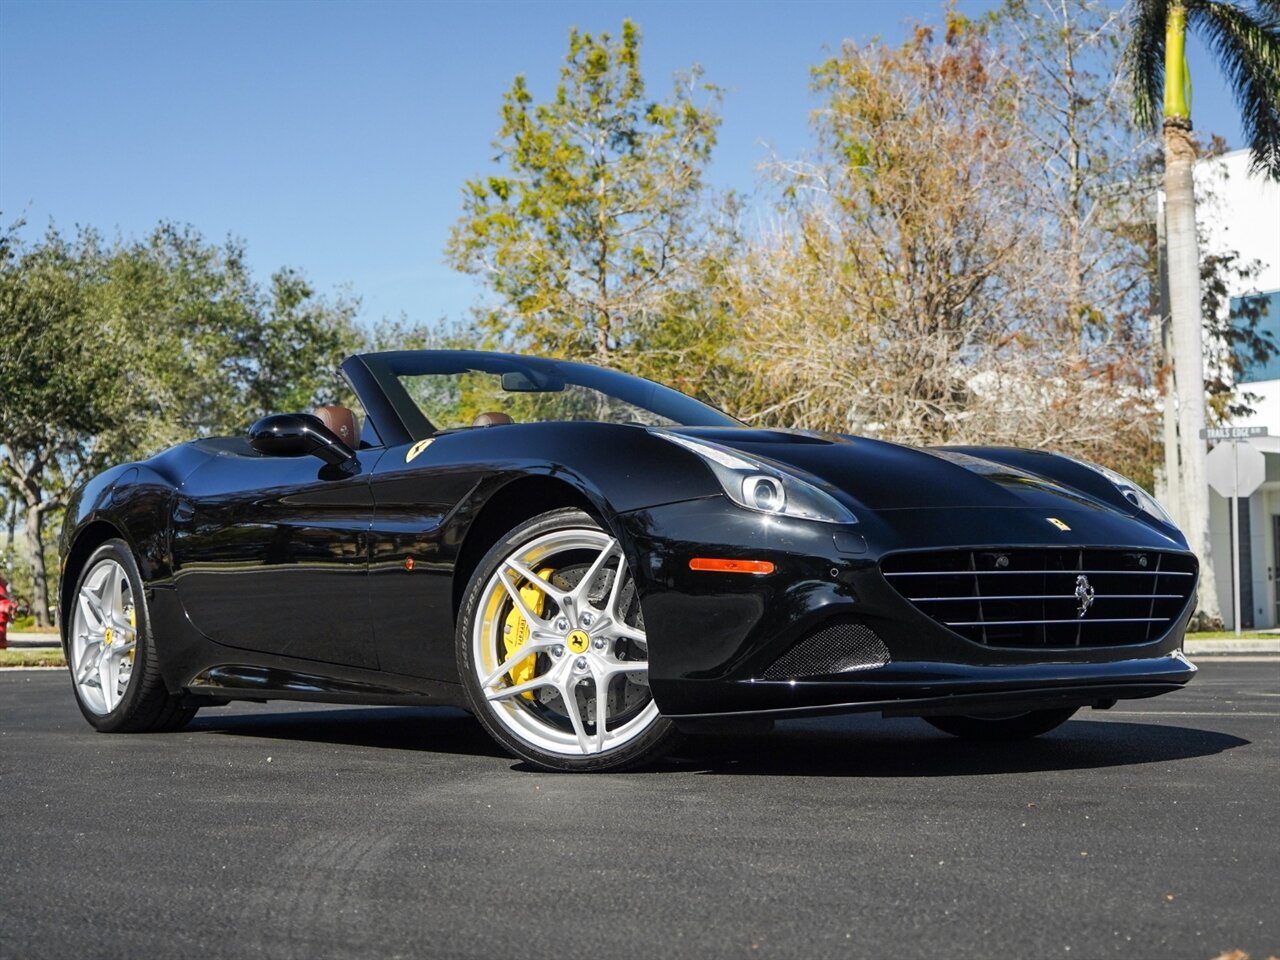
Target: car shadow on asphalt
[(851, 746), (425, 729), (871, 747)]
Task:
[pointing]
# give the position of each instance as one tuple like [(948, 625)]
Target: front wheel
[(1018, 726), (111, 653), (552, 649)]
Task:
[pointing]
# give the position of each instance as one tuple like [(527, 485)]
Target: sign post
[(1235, 468)]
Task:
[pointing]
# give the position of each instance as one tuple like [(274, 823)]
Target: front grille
[(1047, 597), (838, 647)]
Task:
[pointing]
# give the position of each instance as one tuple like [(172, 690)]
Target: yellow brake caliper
[(515, 632)]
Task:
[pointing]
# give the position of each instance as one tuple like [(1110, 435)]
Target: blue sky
[(335, 137)]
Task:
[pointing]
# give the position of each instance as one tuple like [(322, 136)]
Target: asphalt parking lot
[(283, 830)]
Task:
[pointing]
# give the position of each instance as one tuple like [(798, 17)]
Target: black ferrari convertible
[(590, 563)]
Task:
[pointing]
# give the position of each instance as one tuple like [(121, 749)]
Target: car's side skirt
[(249, 682)]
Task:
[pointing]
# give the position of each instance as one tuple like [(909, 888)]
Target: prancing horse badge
[(1084, 595)]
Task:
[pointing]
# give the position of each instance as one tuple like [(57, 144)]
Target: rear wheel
[(552, 649), (111, 653), (1017, 726)]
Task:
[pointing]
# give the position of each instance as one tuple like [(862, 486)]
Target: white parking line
[(1185, 713)]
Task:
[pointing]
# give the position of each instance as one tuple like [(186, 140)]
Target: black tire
[(1021, 726), (145, 705), (654, 735)]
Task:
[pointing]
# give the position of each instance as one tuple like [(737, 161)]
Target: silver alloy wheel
[(588, 689), (104, 637)]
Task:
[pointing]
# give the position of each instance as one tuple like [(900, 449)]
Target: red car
[(8, 610)]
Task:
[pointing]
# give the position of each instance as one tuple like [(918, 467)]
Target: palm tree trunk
[(1188, 350), (1169, 411)]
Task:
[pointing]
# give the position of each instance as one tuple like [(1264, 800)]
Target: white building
[(1242, 212)]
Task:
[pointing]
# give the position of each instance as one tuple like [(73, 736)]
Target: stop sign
[(1235, 469)]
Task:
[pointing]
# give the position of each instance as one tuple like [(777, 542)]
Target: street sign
[(1235, 469), (1231, 433)]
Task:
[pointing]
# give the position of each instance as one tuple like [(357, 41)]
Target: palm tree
[(1246, 43)]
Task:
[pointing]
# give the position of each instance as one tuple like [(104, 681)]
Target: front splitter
[(931, 689)]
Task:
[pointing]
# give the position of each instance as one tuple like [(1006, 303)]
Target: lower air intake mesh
[(837, 647)]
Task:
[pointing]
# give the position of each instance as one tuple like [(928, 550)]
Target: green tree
[(58, 386), (111, 352), (593, 231), (1246, 43), (186, 314), (297, 344)]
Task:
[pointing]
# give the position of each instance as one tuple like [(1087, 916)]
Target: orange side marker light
[(717, 565), (408, 563)]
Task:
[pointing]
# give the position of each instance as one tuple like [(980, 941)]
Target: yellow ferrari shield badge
[(417, 448)]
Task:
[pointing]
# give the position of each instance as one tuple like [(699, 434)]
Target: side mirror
[(298, 435)]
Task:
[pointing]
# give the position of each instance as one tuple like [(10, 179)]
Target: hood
[(889, 476)]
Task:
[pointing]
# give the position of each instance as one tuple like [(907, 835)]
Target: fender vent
[(838, 647)]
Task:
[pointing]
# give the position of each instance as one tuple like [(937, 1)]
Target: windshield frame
[(387, 368)]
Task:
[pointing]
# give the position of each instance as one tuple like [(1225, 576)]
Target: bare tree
[(913, 286)]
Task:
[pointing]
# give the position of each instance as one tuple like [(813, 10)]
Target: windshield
[(437, 390)]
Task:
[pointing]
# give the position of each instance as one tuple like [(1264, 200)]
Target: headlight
[(1138, 497), (760, 485)]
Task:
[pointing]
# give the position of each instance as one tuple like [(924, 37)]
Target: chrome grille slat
[(1131, 596)]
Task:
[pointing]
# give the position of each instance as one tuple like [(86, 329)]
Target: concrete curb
[(42, 641)]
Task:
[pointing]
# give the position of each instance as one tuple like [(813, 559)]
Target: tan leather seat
[(494, 419), (342, 422)]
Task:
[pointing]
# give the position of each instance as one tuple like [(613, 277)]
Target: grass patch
[(1230, 635), (28, 625), (24, 657)]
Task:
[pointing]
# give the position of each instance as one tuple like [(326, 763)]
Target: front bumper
[(716, 639), (921, 689)]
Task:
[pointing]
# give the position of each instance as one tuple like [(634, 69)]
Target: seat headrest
[(494, 419), (342, 422)]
